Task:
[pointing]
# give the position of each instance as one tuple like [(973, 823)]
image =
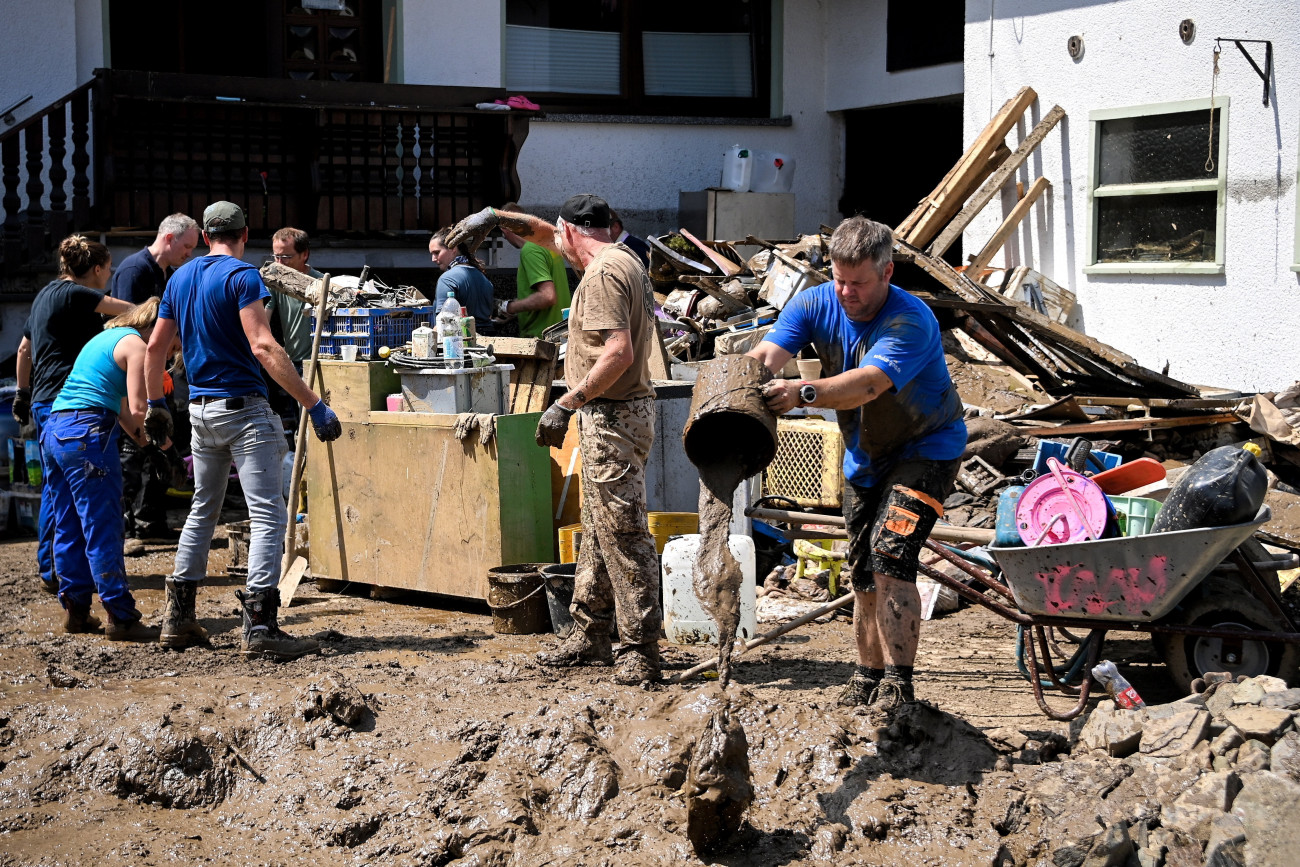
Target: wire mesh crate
[(808, 467), (368, 328)]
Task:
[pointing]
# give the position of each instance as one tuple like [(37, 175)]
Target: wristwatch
[(807, 393)]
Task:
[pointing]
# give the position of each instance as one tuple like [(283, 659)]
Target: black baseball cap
[(586, 210)]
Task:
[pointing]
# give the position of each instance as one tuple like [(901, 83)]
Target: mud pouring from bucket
[(730, 435)]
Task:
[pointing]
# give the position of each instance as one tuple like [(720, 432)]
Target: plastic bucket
[(558, 580), (665, 525), (517, 601), (570, 541), (729, 424)]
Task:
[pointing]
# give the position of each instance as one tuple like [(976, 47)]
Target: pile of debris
[(1212, 778)]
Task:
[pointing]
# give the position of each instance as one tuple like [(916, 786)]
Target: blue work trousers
[(85, 484), (244, 430), (44, 521)]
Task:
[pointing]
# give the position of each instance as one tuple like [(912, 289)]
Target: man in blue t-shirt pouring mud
[(901, 420)]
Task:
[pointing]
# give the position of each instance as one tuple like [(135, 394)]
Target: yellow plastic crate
[(809, 463)]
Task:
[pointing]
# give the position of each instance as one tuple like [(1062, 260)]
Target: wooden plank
[(292, 578), (523, 347), (1141, 403), (995, 243), (357, 388), (995, 181), (727, 267), (1101, 428), (944, 206)]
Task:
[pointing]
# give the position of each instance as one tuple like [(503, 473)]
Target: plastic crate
[(809, 463), (368, 328), (1136, 514), (1052, 449)]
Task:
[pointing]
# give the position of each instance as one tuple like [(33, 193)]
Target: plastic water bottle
[(448, 326), (1119, 688)]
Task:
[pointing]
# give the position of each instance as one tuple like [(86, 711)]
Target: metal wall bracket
[(1267, 72)]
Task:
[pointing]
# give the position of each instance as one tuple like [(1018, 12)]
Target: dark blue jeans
[(85, 481), (45, 522)]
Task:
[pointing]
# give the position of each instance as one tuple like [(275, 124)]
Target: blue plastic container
[(368, 328), (1099, 462)]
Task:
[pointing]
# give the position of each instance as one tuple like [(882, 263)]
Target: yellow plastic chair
[(818, 554)]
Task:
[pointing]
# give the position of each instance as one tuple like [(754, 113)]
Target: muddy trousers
[(85, 480), (618, 568), (45, 521), (248, 432)]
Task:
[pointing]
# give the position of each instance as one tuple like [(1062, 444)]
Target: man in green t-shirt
[(543, 286)]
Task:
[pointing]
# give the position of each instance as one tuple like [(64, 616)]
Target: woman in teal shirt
[(104, 392)]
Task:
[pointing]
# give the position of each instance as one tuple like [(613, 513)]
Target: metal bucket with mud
[(517, 599), (558, 579), (729, 422)]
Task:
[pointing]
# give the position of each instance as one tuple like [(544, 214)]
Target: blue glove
[(325, 422)]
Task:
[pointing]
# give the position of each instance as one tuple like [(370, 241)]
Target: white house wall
[(1235, 330), (855, 62)]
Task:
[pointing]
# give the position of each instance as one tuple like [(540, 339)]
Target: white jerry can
[(685, 619)]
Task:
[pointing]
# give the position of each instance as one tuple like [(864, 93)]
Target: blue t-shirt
[(96, 381), (473, 292), (920, 417), (204, 298)]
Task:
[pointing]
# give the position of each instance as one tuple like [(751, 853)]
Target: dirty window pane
[(1161, 147), (698, 64), (1177, 227)]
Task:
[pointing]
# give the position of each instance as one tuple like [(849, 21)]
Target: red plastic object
[(1063, 506), (1130, 476)]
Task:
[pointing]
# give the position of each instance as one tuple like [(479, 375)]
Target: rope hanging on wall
[(1214, 79)]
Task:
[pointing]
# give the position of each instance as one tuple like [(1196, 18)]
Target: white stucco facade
[(854, 54), (1235, 329), (52, 48)]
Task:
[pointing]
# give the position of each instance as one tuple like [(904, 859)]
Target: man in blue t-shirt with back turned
[(901, 419), (216, 305)]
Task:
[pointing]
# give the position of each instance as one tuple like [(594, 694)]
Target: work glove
[(553, 425), (325, 422), (158, 422), (473, 229), (22, 410)]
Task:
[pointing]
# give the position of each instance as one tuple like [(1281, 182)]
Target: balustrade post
[(10, 154), (58, 217), (35, 139), (80, 160)]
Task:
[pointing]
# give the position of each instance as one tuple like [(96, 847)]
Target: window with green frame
[(1157, 188)]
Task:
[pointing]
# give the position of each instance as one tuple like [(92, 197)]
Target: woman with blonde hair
[(65, 315), (104, 392)]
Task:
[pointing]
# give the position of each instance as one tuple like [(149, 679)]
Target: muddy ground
[(420, 737)]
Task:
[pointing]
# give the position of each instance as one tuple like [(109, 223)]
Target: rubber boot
[(638, 664), (78, 619), (179, 626), (263, 637), (581, 649), (131, 629)]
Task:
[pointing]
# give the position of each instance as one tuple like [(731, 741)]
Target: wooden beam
[(1129, 424), (947, 201), (985, 193), (1008, 226)]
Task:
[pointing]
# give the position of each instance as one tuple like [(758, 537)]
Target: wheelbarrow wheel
[(1229, 606)]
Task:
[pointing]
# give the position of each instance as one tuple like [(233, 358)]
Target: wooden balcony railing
[(341, 160)]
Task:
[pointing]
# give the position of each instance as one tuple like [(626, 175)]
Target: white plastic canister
[(772, 173), (685, 620), (737, 167)]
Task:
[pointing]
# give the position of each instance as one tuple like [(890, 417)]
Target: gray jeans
[(253, 437)]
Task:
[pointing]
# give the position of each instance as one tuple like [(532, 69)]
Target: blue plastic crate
[(368, 328), (1048, 449)]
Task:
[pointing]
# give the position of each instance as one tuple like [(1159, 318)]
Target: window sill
[(1120, 268), (1296, 268), (677, 120)]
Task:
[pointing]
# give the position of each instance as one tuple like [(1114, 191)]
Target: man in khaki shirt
[(607, 369)]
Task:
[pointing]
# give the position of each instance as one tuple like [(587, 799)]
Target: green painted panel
[(524, 476)]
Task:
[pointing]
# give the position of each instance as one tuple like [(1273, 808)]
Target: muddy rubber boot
[(132, 629), (263, 637), (179, 626), (858, 691), (79, 620), (891, 694), (638, 665), (580, 649)]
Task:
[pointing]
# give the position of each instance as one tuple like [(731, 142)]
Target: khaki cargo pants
[(618, 569)]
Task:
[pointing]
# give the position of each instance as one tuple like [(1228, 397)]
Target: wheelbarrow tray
[(1133, 579)]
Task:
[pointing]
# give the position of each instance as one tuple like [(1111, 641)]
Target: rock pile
[(1212, 778)]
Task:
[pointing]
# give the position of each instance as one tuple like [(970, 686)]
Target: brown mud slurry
[(717, 573), (420, 738)]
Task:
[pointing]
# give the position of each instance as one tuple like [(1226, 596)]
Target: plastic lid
[(1253, 449)]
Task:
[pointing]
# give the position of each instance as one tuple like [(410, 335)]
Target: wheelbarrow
[(1201, 594)]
